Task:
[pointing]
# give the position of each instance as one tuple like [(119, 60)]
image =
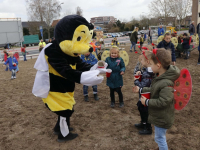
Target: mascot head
[(73, 34)]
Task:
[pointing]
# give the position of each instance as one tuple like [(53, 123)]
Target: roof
[(34, 23), (54, 23)]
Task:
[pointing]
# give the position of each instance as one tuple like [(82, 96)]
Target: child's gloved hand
[(136, 89), (143, 99)]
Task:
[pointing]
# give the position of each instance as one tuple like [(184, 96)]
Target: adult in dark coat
[(192, 28), (134, 38)]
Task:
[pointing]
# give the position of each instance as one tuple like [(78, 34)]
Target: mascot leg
[(57, 126), (63, 126)]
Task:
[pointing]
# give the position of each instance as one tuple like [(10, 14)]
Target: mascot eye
[(79, 38)]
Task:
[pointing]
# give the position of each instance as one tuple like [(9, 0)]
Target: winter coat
[(161, 103), (198, 28), (10, 61), (23, 50), (147, 75), (134, 37), (170, 45), (150, 33), (137, 68), (160, 31), (186, 43), (91, 59), (191, 29), (117, 66), (141, 40), (5, 56)]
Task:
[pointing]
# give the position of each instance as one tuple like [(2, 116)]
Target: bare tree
[(39, 10), (180, 9), (144, 21), (79, 11), (160, 8)]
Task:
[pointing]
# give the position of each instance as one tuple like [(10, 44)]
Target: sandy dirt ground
[(26, 123)]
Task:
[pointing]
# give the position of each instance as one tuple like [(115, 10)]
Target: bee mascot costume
[(59, 67)]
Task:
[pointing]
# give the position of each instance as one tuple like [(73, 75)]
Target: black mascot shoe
[(69, 137), (139, 125), (145, 132), (56, 132), (86, 98), (96, 97)]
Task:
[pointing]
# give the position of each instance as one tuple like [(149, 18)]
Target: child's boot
[(112, 105), (147, 129), (139, 125), (121, 104), (86, 98), (96, 97), (12, 77)]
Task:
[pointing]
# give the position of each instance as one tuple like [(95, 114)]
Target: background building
[(102, 19)]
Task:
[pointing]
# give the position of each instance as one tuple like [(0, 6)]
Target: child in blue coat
[(147, 75), (115, 81), (12, 61), (90, 59)]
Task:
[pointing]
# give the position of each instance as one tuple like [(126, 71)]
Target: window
[(199, 14)]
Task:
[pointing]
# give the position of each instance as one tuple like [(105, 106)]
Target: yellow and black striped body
[(64, 71)]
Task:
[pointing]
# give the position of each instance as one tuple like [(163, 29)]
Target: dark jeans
[(25, 57), (141, 45), (199, 57), (85, 89), (151, 38), (112, 94), (133, 44)]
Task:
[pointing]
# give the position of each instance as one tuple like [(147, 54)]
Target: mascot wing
[(41, 85)]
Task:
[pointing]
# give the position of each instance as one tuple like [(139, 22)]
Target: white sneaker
[(12, 77)]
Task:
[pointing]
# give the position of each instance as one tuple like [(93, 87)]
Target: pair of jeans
[(13, 72), (191, 34), (85, 89), (119, 92), (25, 57), (96, 50), (133, 44), (187, 53), (151, 38), (160, 138)]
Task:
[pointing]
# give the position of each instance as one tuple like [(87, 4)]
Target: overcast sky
[(120, 9)]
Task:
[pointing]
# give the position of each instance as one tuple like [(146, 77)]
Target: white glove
[(90, 78)]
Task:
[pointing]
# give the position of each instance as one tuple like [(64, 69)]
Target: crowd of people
[(156, 76)]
